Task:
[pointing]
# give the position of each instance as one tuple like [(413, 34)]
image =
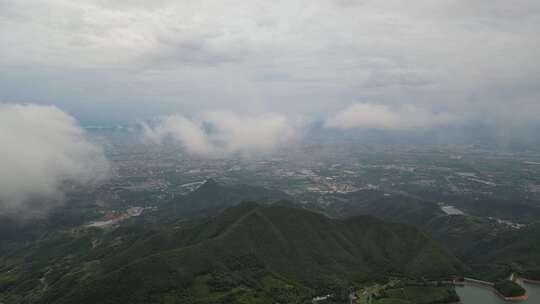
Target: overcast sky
[(229, 76), (110, 60)]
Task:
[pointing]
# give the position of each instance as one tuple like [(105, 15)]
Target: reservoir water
[(475, 294)]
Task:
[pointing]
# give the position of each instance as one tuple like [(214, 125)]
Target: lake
[(474, 294)]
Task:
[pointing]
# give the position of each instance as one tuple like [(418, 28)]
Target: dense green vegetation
[(212, 197), (394, 207), (408, 291), (532, 274), (251, 254), (509, 289), (194, 250), (419, 295), (492, 251)]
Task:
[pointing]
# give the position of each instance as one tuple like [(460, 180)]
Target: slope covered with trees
[(250, 253)]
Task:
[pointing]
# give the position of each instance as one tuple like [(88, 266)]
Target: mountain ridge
[(247, 245)]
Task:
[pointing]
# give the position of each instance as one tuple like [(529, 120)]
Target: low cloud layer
[(376, 116), (42, 148), (222, 133)]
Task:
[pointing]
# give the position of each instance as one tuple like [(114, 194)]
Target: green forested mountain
[(250, 253), (395, 207), (511, 251), (493, 251), (213, 196), (196, 250)]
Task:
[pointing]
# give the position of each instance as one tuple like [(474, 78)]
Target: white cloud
[(187, 132), (220, 133), (43, 147), (378, 116)]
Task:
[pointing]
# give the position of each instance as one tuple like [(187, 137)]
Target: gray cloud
[(42, 148), (223, 133), (473, 59)]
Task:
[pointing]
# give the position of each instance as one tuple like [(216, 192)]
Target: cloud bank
[(132, 59), (42, 148), (223, 133), (376, 116)]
